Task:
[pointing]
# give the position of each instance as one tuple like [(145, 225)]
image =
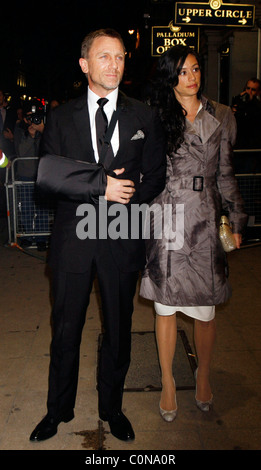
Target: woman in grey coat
[(186, 267)]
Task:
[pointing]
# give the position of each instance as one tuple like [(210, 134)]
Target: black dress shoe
[(48, 426), (120, 426)]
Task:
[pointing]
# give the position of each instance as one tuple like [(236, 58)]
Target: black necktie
[(101, 128), (101, 123)]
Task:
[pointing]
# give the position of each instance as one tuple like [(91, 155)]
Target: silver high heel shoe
[(168, 416), (202, 405)]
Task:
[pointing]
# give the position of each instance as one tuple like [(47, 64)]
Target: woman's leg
[(166, 335), (205, 335)]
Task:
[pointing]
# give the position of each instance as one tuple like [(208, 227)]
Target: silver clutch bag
[(225, 235)]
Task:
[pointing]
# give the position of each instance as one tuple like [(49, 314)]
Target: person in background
[(28, 138), (247, 110), (54, 104), (7, 124), (27, 141), (8, 119)]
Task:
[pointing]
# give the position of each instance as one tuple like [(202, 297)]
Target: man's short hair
[(88, 40)]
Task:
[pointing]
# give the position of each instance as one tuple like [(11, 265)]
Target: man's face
[(104, 65), (252, 89)]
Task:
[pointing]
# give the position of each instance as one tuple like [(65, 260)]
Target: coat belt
[(194, 183)]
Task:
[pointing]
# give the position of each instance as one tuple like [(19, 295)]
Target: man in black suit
[(132, 172)]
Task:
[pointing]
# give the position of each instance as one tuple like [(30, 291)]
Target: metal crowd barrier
[(247, 165), (30, 214)]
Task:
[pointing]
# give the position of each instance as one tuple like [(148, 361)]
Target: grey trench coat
[(186, 264)]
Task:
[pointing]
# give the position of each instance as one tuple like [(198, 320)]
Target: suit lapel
[(122, 104), (82, 124), (124, 126)]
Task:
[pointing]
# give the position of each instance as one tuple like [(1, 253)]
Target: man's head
[(102, 60), (253, 87)]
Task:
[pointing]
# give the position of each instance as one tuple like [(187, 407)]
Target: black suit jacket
[(79, 179)]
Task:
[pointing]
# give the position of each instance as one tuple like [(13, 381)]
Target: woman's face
[(189, 78)]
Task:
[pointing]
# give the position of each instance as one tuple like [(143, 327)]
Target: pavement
[(233, 424)]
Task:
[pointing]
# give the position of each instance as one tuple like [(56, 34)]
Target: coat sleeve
[(78, 181), (58, 174), (231, 199)]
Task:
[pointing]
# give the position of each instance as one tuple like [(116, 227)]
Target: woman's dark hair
[(163, 97)]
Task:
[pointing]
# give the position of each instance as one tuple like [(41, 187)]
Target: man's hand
[(33, 128), (119, 190)]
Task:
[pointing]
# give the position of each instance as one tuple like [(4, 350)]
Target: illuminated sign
[(214, 13), (164, 37)]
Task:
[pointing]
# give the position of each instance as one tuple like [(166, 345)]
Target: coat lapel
[(205, 123), (82, 124), (200, 131)]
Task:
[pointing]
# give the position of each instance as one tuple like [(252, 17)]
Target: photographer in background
[(247, 110), (27, 140)]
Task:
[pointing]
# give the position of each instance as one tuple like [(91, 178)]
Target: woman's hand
[(238, 239)]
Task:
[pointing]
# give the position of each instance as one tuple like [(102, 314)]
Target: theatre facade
[(228, 35)]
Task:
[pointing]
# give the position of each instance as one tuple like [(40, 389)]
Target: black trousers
[(71, 293)]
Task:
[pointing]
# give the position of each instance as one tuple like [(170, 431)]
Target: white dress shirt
[(108, 109)]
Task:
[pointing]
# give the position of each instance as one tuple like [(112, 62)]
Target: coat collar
[(205, 123)]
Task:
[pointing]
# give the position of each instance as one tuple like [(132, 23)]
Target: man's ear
[(84, 65)]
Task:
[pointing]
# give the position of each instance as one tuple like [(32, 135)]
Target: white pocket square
[(138, 135)]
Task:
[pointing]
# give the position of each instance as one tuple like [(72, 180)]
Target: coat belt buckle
[(198, 183)]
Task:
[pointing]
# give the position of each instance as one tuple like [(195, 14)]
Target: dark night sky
[(47, 37)]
